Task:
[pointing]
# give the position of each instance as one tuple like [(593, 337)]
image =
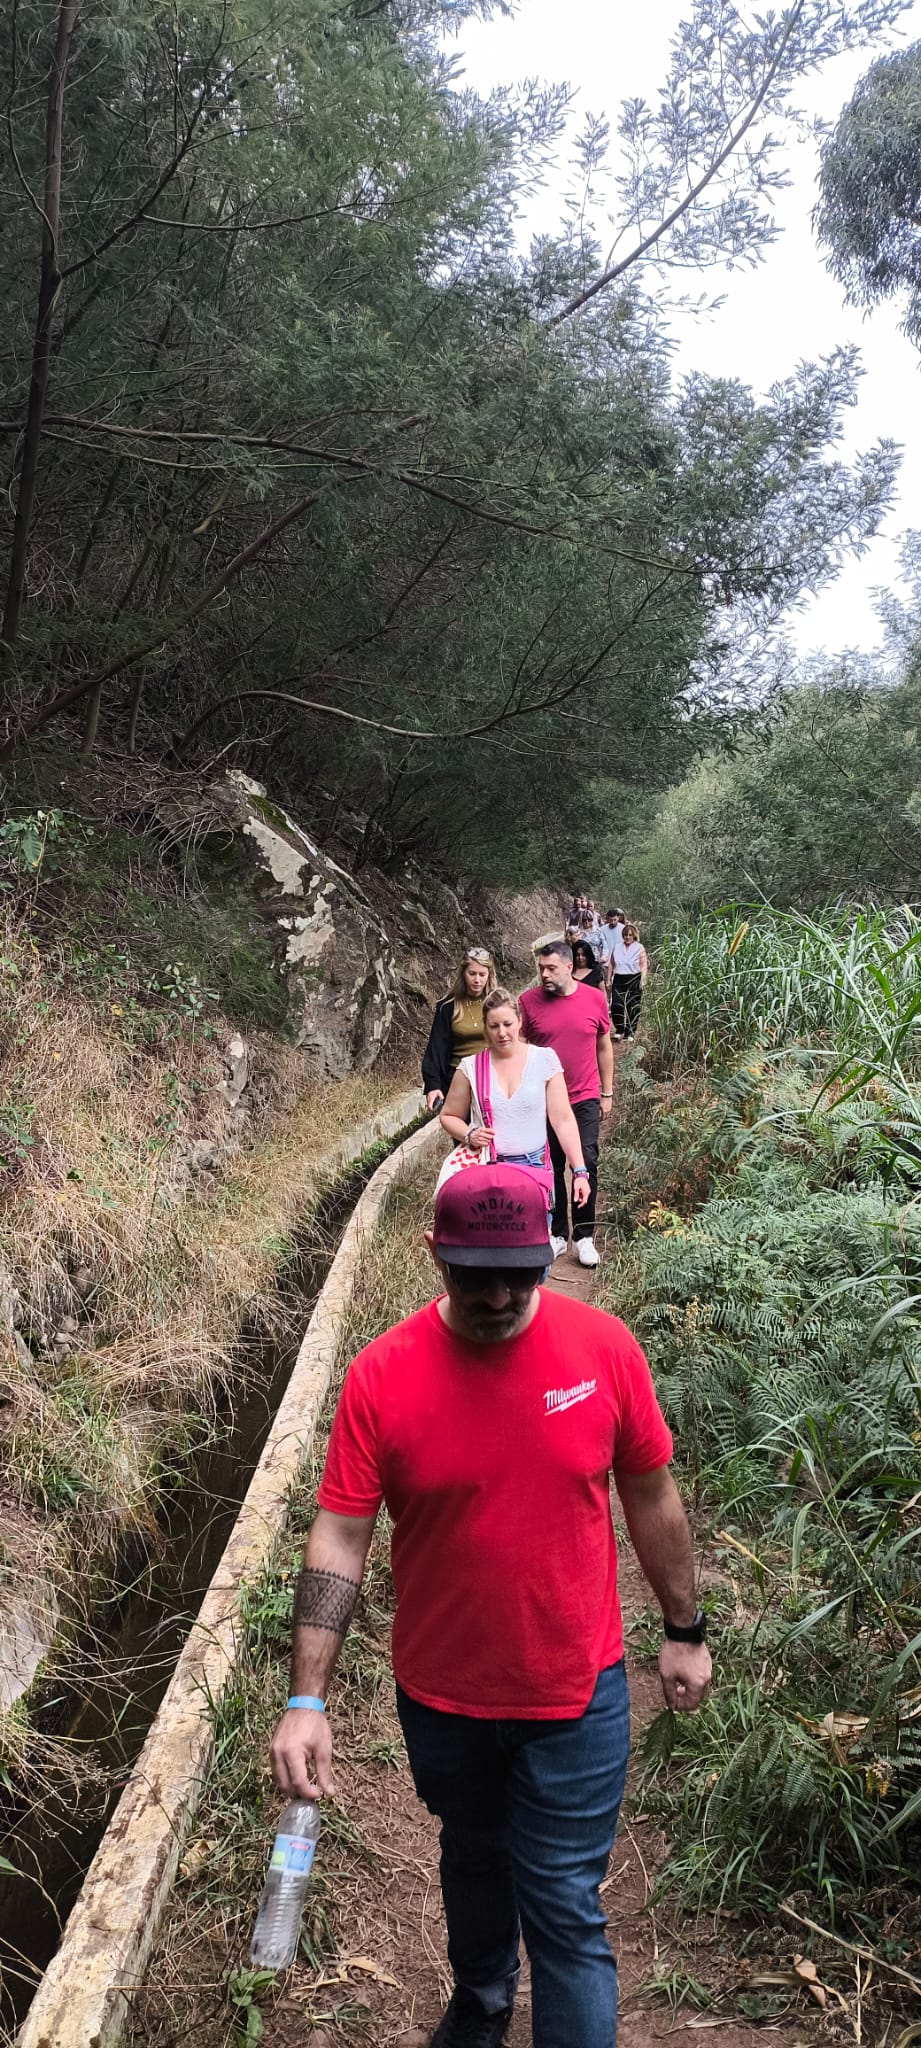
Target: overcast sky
[(787, 309)]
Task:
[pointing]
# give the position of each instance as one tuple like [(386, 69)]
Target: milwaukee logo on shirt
[(566, 1397)]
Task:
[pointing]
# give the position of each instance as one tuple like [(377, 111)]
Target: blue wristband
[(307, 1699)]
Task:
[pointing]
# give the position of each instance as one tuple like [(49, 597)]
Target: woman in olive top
[(457, 1026)]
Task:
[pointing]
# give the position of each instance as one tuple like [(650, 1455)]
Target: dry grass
[(372, 1896), (133, 1273)]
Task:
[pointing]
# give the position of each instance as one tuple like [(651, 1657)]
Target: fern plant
[(796, 1411)]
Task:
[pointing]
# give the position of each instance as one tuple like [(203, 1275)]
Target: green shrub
[(749, 976), (780, 1322)]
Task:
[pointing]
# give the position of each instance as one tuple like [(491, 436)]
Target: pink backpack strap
[(481, 1080)]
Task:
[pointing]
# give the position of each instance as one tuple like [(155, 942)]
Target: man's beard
[(490, 1328), (551, 988), (496, 1328)]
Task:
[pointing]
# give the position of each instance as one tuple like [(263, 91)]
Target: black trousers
[(626, 997), (588, 1118)]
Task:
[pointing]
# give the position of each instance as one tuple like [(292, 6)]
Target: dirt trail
[(638, 1849)]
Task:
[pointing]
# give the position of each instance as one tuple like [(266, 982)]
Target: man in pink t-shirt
[(572, 1018), (490, 1423)]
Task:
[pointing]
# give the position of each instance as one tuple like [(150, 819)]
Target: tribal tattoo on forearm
[(324, 1600)]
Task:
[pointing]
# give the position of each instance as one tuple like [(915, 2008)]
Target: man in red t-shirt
[(572, 1018), (490, 1422)]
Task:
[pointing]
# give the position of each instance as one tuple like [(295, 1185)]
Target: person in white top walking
[(609, 934), (527, 1090), (628, 980)]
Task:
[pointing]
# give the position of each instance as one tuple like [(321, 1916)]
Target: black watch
[(695, 1633)]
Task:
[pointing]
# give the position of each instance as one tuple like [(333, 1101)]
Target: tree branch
[(503, 716), (180, 152), (140, 213), (352, 469), (237, 226), (736, 136), (10, 134), (166, 633), (415, 480)]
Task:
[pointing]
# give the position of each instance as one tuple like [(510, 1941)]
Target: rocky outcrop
[(333, 952)]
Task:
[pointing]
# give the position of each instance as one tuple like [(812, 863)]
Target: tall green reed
[(747, 976)]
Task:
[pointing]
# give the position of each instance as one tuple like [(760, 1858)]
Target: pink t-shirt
[(571, 1025)]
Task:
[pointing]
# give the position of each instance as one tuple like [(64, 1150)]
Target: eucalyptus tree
[(299, 462), (869, 215), (819, 800), (696, 172)]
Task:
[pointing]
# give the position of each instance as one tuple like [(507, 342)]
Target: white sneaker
[(558, 1246), (586, 1252)]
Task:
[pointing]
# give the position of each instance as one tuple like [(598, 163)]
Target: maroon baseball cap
[(492, 1216)]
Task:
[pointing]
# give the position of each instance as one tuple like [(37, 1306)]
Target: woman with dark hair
[(457, 1026), (585, 963), (628, 980)]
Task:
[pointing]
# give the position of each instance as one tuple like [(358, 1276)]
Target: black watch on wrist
[(694, 1633)]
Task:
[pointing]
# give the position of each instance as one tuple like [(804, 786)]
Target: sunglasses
[(518, 1279), (480, 955)]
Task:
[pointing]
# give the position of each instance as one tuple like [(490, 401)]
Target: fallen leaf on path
[(196, 1856), (806, 1970), (723, 1536), (698, 2026), (371, 1969), (841, 1731)]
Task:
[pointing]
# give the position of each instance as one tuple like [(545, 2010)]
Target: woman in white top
[(628, 980), (526, 1088)]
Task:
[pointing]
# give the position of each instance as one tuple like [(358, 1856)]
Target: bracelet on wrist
[(580, 1173), (307, 1699), (694, 1632)]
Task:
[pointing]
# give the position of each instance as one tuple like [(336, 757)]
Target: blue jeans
[(528, 1811), (529, 1159)]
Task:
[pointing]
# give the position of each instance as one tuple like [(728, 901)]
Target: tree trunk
[(49, 280), (136, 696), (91, 725)]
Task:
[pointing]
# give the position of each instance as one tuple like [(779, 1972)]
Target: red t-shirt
[(570, 1024), (494, 1462)]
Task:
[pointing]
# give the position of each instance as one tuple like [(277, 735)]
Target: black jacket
[(436, 1059)]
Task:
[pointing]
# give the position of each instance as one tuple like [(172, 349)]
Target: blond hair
[(459, 989), (497, 1000)]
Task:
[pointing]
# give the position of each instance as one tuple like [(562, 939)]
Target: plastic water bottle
[(278, 1921)]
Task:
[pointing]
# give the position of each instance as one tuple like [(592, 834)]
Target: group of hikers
[(539, 1096), (490, 1423), (607, 952)]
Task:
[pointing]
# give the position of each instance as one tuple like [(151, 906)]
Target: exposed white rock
[(334, 953), (233, 1086), (334, 956), (26, 1636)]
